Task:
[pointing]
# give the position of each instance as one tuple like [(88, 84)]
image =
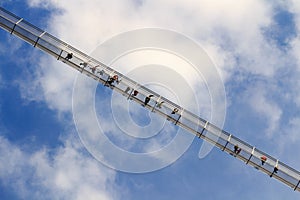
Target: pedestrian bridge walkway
[(133, 91)]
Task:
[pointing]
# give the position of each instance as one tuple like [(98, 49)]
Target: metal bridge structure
[(152, 101)]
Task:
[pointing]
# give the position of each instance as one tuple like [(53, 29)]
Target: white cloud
[(230, 31), (219, 25), (266, 108), (293, 130), (293, 6), (10, 45), (67, 173)]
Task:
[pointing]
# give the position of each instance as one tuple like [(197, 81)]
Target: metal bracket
[(16, 25), (250, 155), (228, 140), (39, 39), (297, 185), (179, 116), (205, 125)]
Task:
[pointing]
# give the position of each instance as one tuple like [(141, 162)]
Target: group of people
[(263, 158), (148, 98), (69, 56), (114, 78), (111, 79), (158, 104)]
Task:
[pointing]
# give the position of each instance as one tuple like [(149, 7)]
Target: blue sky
[(255, 45)]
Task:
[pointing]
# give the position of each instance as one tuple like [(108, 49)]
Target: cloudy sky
[(255, 46)]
